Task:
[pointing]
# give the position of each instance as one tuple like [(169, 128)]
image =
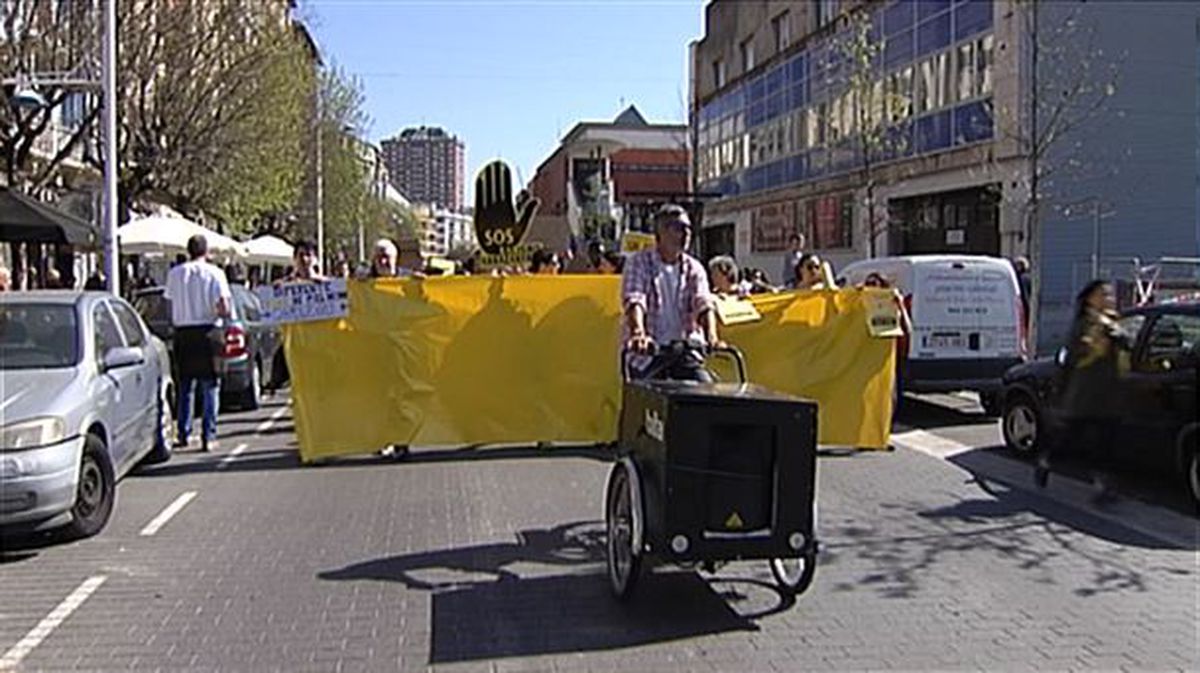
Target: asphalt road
[(937, 555)]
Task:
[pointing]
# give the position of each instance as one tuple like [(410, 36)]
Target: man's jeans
[(209, 397)]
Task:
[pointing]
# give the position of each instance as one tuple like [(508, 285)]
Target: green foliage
[(265, 172), (213, 97), (345, 162)]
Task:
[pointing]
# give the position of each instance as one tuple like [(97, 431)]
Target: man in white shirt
[(200, 301)]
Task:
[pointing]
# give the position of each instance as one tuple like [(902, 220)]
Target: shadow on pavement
[(289, 458), (255, 432), (267, 460), (472, 453), (1008, 528), (484, 609), (916, 412), (18, 544)]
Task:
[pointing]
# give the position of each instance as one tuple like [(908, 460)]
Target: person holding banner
[(666, 297), (304, 270), (726, 279)]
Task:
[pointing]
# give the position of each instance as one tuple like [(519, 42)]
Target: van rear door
[(965, 309)]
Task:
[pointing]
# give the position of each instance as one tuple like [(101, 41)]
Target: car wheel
[(1193, 474), (164, 433), (1021, 425), (252, 396), (992, 403), (95, 490)]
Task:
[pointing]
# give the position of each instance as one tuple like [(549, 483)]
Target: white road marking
[(267, 424), (929, 443), (13, 657), (165, 515), (237, 451)]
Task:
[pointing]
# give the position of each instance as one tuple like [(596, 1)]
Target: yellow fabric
[(482, 360)]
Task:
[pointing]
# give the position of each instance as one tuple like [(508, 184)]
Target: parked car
[(1158, 418), (250, 343), (967, 320), (84, 386)]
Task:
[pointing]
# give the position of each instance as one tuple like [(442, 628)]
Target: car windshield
[(38, 336)]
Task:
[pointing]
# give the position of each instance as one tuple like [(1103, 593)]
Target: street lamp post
[(27, 96), (111, 207), (319, 192)]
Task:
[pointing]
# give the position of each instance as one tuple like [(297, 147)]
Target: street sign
[(304, 302), (501, 224)]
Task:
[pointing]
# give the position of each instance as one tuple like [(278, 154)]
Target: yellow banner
[(482, 360)]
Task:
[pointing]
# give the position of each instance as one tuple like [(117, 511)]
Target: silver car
[(83, 386)]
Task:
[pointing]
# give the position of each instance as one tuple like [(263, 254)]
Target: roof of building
[(630, 119), (422, 133)]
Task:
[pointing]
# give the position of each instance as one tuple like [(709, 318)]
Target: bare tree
[(210, 89), (858, 49), (40, 37), (1071, 81)]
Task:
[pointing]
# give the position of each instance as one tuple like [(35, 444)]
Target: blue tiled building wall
[(911, 31), (1139, 158)]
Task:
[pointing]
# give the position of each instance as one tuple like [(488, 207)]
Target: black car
[(1158, 412), (250, 343)]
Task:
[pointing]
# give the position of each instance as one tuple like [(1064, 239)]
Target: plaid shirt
[(642, 284)]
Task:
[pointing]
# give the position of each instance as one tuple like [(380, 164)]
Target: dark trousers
[(195, 354), (676, 368), (1094, 437)]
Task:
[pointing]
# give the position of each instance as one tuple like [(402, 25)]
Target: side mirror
[(117, 358), (1060, 357)]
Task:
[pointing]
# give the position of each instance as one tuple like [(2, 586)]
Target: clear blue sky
[(509, 77)]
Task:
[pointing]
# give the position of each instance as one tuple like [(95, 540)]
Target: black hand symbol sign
[(499, 223)]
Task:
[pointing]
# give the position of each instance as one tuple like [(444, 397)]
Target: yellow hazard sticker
[(734, 522)]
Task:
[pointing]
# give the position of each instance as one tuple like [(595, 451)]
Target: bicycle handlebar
[(678, 349)]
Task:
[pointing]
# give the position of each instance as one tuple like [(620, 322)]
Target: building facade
[(593, 183), (428, 165), (898, 127)]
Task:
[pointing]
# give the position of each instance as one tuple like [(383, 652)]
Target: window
[(131, 325), (1132, 324), (899, 103), (781, 27), (967, 82), (984, 59), (830, 219), (1171, 343), (933, 83), (826, 11), (746, 49), (799, 130), (719, 73), (107, 336)]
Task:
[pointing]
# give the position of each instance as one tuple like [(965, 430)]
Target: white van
[(967, 316)]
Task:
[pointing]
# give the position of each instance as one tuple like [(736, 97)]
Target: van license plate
[(955, 341)]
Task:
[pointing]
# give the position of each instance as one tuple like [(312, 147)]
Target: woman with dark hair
[(807, 273), (611, 262), (1091, 373), (544, 262)]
